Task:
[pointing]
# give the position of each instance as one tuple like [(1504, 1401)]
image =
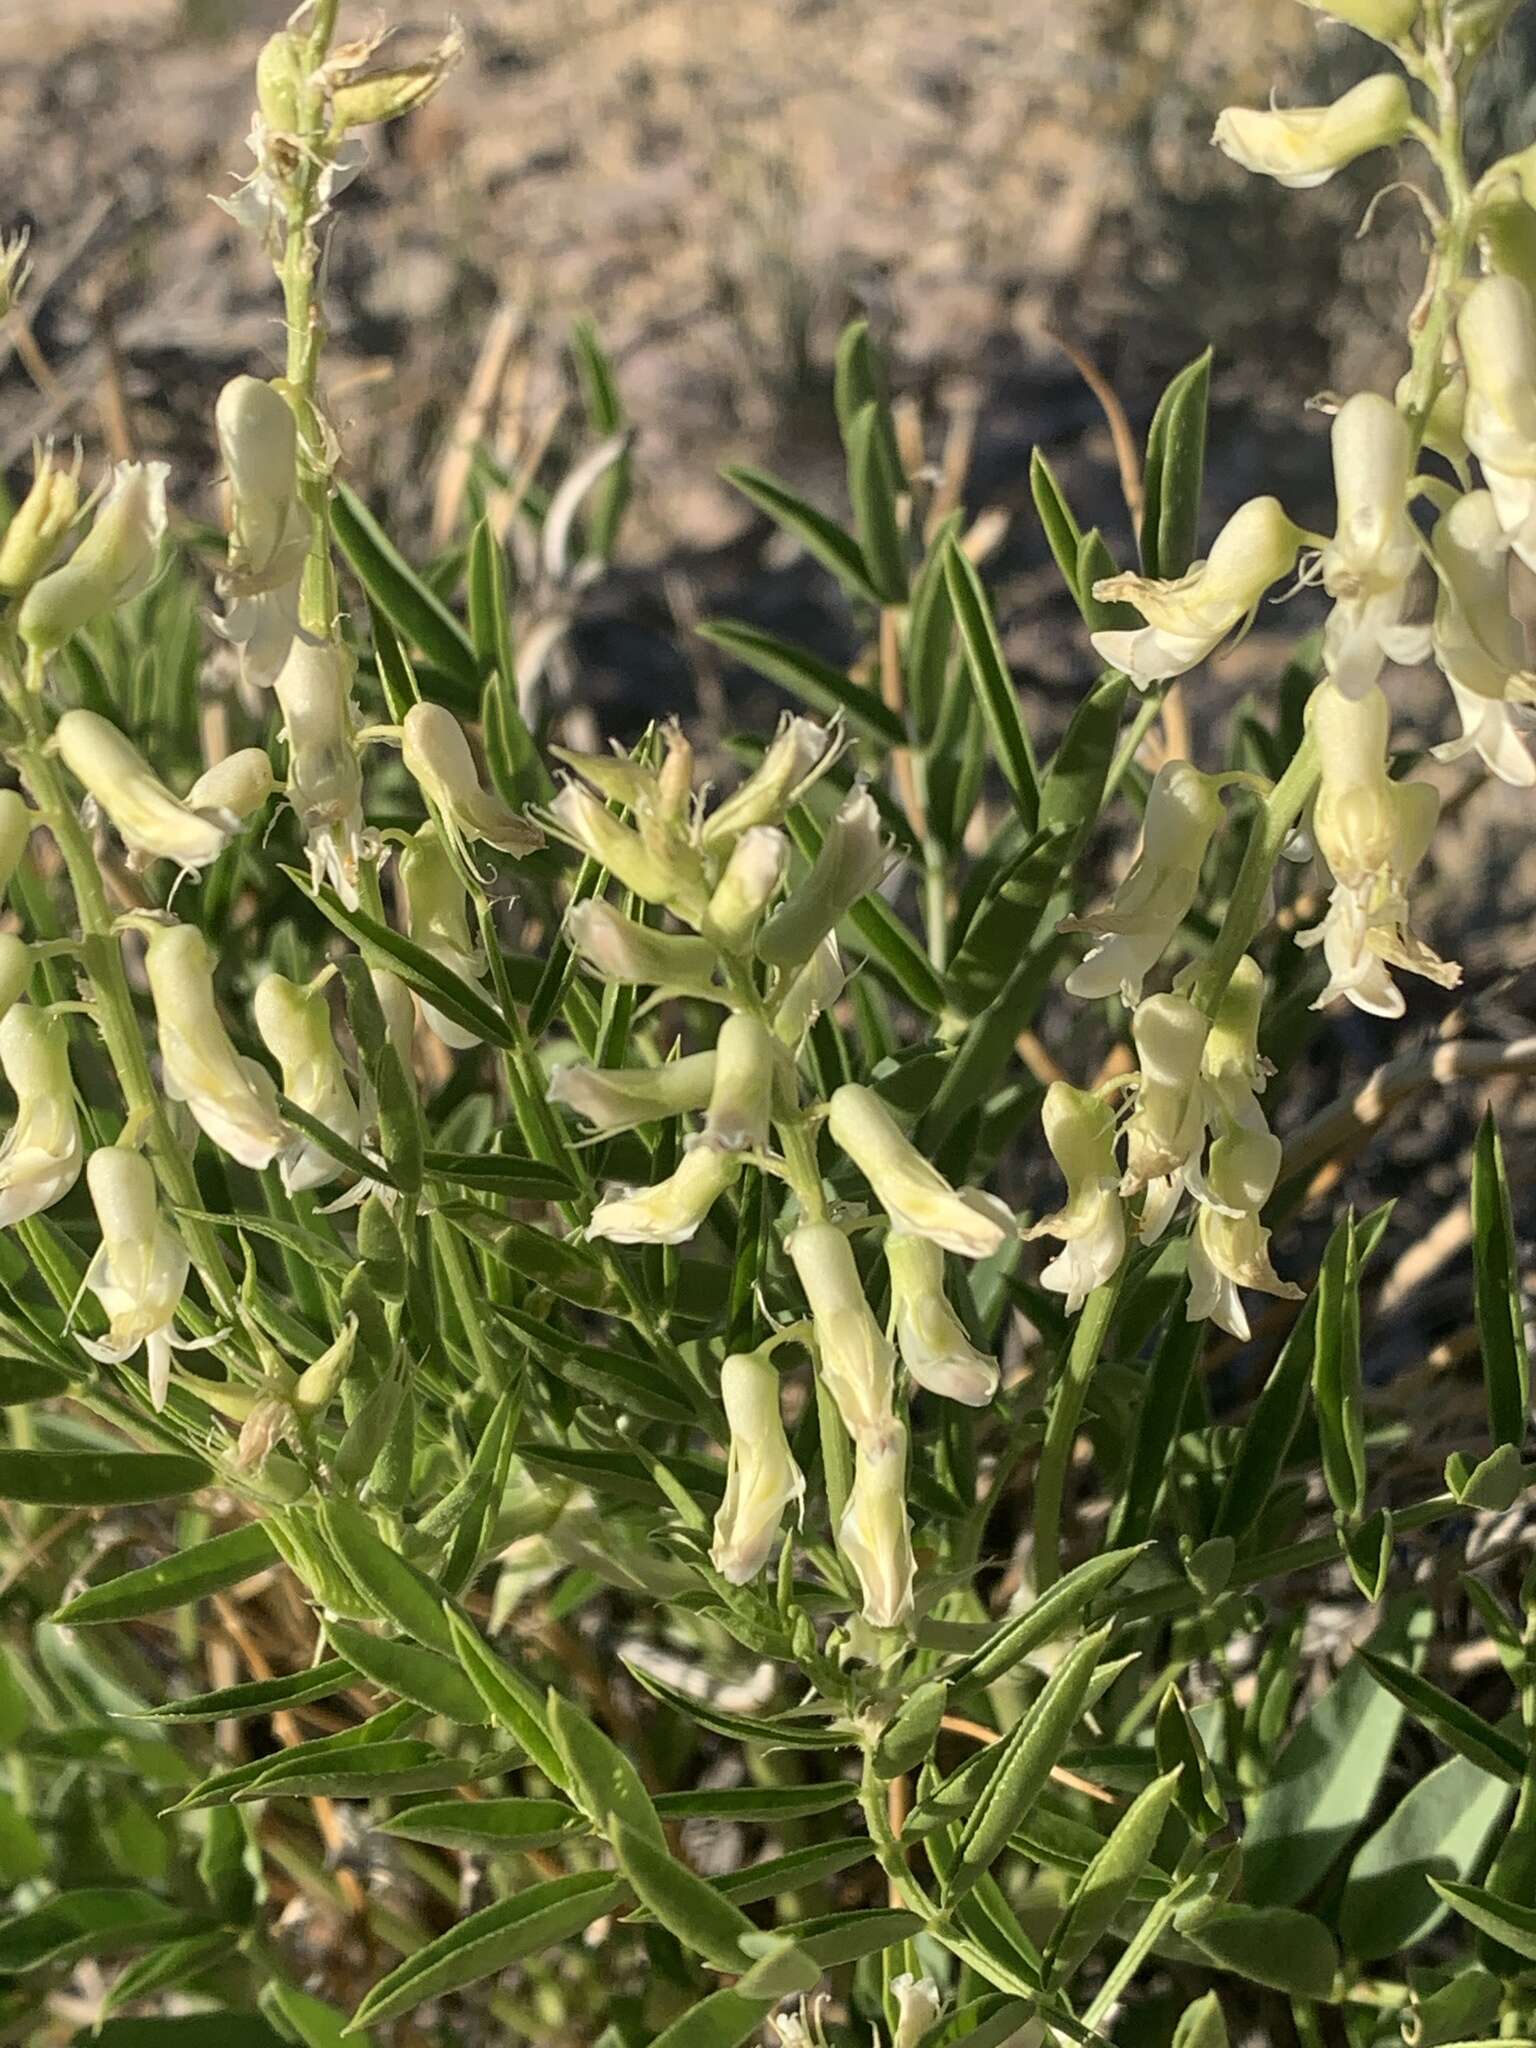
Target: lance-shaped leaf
[(873, 483), (1052, 1615), (993, 684), (97, 1479), (98, 1920), (1440, 1828), (821, 537), (1504, 1921), (488, 1827), (1457, 1726), (1174, 472), (260, 1696), (805, 675), (1496, 1282), (1337, 1383), (399, 592), (399, 1592), (1273, 1945), (600, 1777), (174, 1581), (685, 1905), (1111, 1879), (424, 1676)]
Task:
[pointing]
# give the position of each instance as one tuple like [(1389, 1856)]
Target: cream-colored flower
[(1304, 146), (913, 1193), (762, 1478), (1234, 1070), (857, 1365), (799, 750), (16, 822), (918, 2006), (15, 969), (746, 1062), (873, 1534), (139, 1271), (40, 522), (1479, 643), (1188, 617), (749, 882), (232, 1099), (659, 867), (112, 564), (151, 822), (1367, 564), (854, 858), (610, 1099), (325, 774), (40, 1158), (1080, 1130), (1165, 1134), (814, 989), (1497, 332), (672, 1210), (619, 949), (437, 755), (436, 918), (1229, 1249), (929, 1335), (239, 784), (269, 529), (1372, 832), (1143, 917), (295, 1027)]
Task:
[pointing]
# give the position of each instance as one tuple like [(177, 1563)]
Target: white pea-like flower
[(671, 1211), (1143, 917), (930, 1337), (798, 751), (295, 1027), (151, 822), (1304, 146), (918, 2006), (619, 949), (1080, 1130), (139, 1271), (1229, 1248), (16, 822), (873, 1533), (112, 564), (912, 1192), (1479, 644), (746, 1064), (857, 1365), (1367, 565), (657, 866), (1234, 1069), (814, 989), (40, 1157), (436, 918), (1497, 332), (855, 857), (239, 784), (325, 774), (610, 1099), (437, 756), (1165, 1134), (40, 522), (1187, 617), (15, 969), (231, 1099), (269, 529), (751, 878), (1373, 832), (762, 1478)]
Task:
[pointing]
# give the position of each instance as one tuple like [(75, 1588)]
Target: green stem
[(1246, 911), (1061, 1430)]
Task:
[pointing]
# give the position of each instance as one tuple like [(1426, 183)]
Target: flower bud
[(854, 859), (231, 1099), (610, 1099), (1231, 1061), (239, 784), (929, 1335), (1080, 1130), (762, 1478), (617, 776), (1304, 146), (325, 776), (1229, 1248), (1389, 21), (1478, 642), (113, 563), (752, 878), (1146, 911), (399, 1012), (814, 989), (657, 872), (295, 1027), (437, 756), (15, 969), (913, 1193), (269, 534), (670, 1212), (873, 1534), (40, 1158), (360, 99), (1166, 1131), (918, 2006), (139, 1273), (40, 523), (856, 1363), (1366, 566), (152, 824), (318, 1383), (280, 80), (739, 1101), (16, 823), (795, 752), (620, 950), (1187, 617), (436, 919), (1497, 332)]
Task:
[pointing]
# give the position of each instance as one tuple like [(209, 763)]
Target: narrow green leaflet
[(95, 1921), (97, 1479), (782, 1731), (873, 483), (491, 1941), (814, 681), (399, 592), (1272, 1945), (769, 1803), (1174, 472), (1062, 532), (512, 1701), (821, 537), (1158, 1422), (1337, 1383), (175, 1581), (1201, 2025), (994, 685), (423, 1676), (488, 1827), (601, 1778), (1052, 1615), (260, 1696), (374, 1770), (1496, 1286), (398, 1591), (31, 1379), (1440, 1828), (1111, 1878), (1489, 1748), (1513, 1926), (686, 1906), (722, 2020)]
